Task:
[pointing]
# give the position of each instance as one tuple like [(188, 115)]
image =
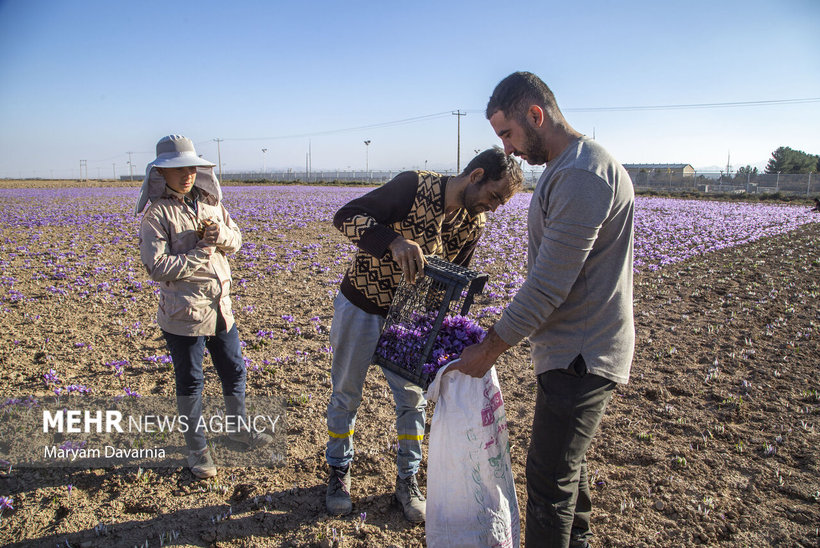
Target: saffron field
[(714, 440)]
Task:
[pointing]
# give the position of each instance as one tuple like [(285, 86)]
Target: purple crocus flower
[(6, 503), (402, 343)]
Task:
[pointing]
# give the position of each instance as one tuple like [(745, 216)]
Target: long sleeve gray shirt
[(577, 298)]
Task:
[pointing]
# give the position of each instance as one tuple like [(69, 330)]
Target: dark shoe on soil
[(201, 464), (251, 439), (412, 502), (338, 500)]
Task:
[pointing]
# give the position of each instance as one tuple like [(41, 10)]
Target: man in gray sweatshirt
[(575, 305)]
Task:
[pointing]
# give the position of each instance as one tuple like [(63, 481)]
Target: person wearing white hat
[(185, 236)]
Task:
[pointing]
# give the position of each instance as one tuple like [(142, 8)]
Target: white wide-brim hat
[(176, 151)]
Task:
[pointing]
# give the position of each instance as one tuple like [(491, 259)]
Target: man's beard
[(534, 147), (465, 198)]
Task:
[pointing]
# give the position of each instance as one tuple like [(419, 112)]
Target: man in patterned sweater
[(415, 214)]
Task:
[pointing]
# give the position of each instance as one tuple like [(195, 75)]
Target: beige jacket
[(195, 279)]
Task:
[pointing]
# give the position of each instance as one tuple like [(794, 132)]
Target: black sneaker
[(337, 499), (412, 502)]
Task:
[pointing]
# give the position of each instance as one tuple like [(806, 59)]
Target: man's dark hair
[(514, 94), (496, 165)]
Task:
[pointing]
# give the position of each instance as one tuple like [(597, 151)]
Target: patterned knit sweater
[(410, 205)]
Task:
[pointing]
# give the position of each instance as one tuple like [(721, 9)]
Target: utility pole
[(367, 158), (459, 114), (130, 167), (219, 157), (83, 164), (114, 168), (264, 163)]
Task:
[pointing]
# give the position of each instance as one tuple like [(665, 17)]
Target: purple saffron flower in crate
[(424, 329), (456, 334), (402, 346)]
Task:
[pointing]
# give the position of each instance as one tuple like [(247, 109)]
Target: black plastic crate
[(417, 313)]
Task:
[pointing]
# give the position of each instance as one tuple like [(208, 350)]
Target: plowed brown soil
[(714, 441)]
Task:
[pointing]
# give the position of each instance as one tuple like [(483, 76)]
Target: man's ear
[(476, 175), (535, 115)]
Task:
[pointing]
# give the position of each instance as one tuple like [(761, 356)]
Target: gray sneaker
[(337, 498), (201, 464), (409, 496), (251, 440)]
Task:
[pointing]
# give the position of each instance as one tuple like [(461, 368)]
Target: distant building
[(651, 171)]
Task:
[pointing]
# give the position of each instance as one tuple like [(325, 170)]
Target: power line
[(349, 129), (415, 119), (733, 104), (426, 117)]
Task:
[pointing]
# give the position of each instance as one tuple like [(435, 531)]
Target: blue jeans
[(187, 354), (354, 334)]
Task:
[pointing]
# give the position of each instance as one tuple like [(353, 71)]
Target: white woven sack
[(471, 498)]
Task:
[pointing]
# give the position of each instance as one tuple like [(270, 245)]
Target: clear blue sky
[(92, 80)]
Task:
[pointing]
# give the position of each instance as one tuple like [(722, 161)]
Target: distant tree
[(746, 173), (787, 160)]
